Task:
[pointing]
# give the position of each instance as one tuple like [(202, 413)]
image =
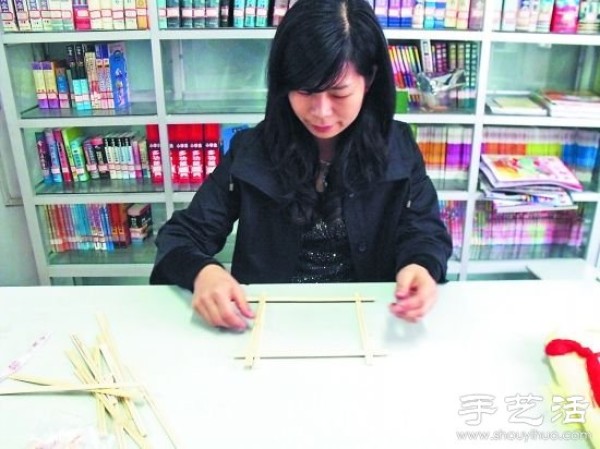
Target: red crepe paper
[(562, 347)]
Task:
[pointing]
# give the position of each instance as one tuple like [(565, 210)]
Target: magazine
[(504, 170)]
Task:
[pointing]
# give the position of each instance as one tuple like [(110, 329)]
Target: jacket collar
[(251, 166)]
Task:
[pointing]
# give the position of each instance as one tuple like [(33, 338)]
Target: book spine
[(50, 82), (62, 86), (564, 16), (118, 74), (238, 13), (280, 7), (79, 159), (91, 163), (118, 14), (101, 158), (55, 169), (130, 13), (137, 158), (141, 14), (107, 14), (198, 13), (173, 13), (154, 157), (40, 84), (262, 13), (35, 15), (65, 136), (162, 14), (9, 17), (212, 14), (212, 153), (22, 13), (144, 159), (44, 157), (66, 14), (250, 14), (81, 15), (187, 14), (173, 153)]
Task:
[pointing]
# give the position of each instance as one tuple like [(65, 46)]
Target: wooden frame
[(253, 353)]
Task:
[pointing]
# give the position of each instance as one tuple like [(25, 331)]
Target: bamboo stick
[(309, 299), (43, 381), (314, 354), (252, 353), (364, 336), (65, 388)]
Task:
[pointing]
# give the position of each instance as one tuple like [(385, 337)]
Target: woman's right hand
[(219, 299)]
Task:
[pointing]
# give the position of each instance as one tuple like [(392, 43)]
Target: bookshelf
[(180, 76)]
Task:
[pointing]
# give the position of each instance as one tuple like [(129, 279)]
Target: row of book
[(221, 13), (96, 227), (543, 16), (527, 235), (446, 150), (73, 15), (523, 235), (93, 76), (579, 149), (436, 58), (68, 155), (558, 16), (430, 14)]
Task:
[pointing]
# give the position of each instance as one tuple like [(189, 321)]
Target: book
[(517, 170), (514, 105)]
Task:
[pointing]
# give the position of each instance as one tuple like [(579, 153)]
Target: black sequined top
[(325, 253)]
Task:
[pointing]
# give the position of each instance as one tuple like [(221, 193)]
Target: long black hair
[(312, 46)]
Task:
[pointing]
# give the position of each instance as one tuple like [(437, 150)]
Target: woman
[(328, 188)]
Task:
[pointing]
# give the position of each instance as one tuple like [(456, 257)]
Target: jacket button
[(362, 247)]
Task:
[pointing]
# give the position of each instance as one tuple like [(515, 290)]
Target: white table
[(481, 338)]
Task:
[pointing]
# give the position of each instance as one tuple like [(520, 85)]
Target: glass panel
[(215, 76), (538, 65)]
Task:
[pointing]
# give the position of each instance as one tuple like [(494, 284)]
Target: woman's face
[(326, 114)]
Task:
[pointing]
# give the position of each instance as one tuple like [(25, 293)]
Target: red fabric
[(563, 347)]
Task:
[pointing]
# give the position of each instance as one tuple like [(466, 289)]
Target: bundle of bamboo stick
[(116, 392)]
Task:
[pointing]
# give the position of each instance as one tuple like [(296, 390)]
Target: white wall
[(17, 266)]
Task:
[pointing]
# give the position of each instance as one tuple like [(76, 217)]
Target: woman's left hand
[(416, 292)]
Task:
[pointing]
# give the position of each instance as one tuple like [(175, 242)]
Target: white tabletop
[(481, 338)]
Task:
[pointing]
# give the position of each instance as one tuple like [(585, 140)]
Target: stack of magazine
[(569, 104), (526, 183)]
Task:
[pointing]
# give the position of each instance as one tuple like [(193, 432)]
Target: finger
[(411, 316), (213, 314), (239, 297), (202, 312), (230, 315)]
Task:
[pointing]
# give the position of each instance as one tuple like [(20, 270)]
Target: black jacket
[(391, 223)]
